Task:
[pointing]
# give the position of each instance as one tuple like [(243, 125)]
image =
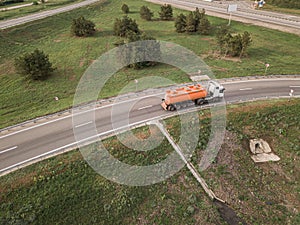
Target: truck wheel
[(172, 108), (169, 108), (199, 101)]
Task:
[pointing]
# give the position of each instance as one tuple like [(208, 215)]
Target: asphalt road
[(284, 22), (34, 140), (243, 14), (40, 15)]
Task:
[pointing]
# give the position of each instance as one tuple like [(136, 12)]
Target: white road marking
[(107, 132), (109, 105), (258, 80), (83, 124), (65, 117), (294, 86), (246, 89), (145, 107), (74, 143), (9, 149)]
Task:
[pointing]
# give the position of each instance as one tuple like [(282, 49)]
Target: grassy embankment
[(274, 8), (50, 4), (21, 100), (65, 190)]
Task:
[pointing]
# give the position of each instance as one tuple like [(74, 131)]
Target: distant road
[(31, 141), (280, 21), (40, 15), (283, 22)]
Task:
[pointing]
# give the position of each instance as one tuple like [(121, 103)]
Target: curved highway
[(258, 17), (34, 140), (40, 15)]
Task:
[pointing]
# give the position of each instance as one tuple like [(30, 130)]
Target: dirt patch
[(232, 59), (81, 62), (258, 192), (73, 77), (23, 181), (206, 39), (7, 67), (228, 214), (222, 69), (57, 40)]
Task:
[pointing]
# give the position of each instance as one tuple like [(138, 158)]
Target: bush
[(233, 44), (35, 65), (198, 15), (125, 8), (204, 26), (82, 27), (137, 52), (125, 25), (145, 13), (190, 23), (194, 22), (180, 23), (166, 12)]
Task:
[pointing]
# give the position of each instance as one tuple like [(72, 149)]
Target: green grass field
[(65, 190), (21, 99)]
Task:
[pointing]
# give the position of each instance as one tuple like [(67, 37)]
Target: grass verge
[(65, 190), (274, 8), (21, 99)]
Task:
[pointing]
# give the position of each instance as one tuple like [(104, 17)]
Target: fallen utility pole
[(190, 166)]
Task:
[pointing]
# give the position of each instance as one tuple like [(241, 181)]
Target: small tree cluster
[(82, 27), (123, 26), (146, 13), (233, 44), (180, 23), (134, 55), (166, 12), (35, 65), (125, 9), (194, 22)]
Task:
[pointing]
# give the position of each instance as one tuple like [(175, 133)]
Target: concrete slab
[(265, 157), (261, 151), (259, 146)]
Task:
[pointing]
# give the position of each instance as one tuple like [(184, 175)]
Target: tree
[(132, 37), (166, 12), (35, 65), (125, 8), (180, 23), (145, 13), (223, 36), (82, 27), (204, 26), (246, 41), (190, 23), (234, 45), (123, 26), (139, 51), (198, 15)]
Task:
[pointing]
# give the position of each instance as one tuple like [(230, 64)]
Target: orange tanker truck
[(196, 93)]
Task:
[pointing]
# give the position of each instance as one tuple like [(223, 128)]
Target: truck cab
[(215, 90)]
